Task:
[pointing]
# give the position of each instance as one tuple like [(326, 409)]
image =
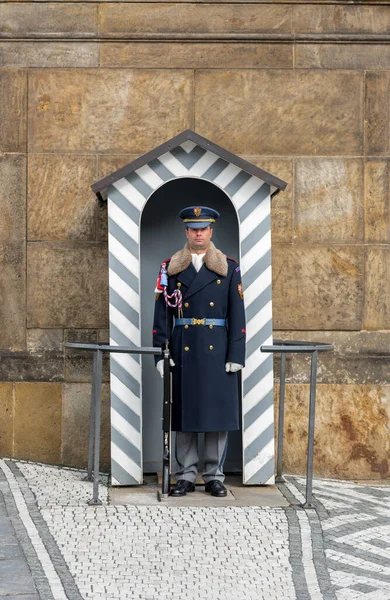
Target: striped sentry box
[(251, 197)]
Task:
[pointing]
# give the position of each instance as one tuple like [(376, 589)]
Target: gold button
[(218, 281), (185, 326), (211, 303), (186, 348), (211, 347), (186, 305), (179, 285), (210, 326)]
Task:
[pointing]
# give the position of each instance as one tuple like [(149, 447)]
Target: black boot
[(182, 487), (216, 488)]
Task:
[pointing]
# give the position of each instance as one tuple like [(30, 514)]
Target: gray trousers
[(215, 446)]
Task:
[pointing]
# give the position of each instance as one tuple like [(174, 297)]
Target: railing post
[(98, 402), (310, 440), (92, 418), (289, 346), (282, 386)]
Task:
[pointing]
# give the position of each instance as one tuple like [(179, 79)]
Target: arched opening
[(162, 234)]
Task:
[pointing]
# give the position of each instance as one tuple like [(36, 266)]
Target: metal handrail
[(291, 347), (95, 411)]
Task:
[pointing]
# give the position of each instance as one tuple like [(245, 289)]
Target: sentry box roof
[(190, 146)]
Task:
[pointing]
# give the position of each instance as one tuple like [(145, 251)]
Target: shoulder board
[(232, 259)]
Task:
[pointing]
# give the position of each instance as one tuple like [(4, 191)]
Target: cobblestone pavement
[(55, 546)]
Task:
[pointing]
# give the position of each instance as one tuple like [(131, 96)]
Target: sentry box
[(144, 199)]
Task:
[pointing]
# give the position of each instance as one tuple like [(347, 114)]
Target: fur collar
[(215, 261)]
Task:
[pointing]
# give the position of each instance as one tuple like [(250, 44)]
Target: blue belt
[(193, 321)]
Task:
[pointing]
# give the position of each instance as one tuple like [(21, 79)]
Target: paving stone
[(15, 577), (128, 552), (8, 550), (23, 597)]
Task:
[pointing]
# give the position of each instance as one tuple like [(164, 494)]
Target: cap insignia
[(197, 211)]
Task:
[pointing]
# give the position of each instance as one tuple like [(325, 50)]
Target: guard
[(200, 310)]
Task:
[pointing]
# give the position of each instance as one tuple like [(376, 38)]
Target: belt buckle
[(198, 321)]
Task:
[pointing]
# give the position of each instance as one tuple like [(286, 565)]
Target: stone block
[(40, 366), (13, 296), (333, 368), (329, 200), (38, 414), (356, 420), (104, 336), (102, 223), (196, 55), (105, 110), (67, 285), (78, 363), (377, 289), (6, 419), (12, 250), (42, 18), (13, 100), (377, 123), (49, 54), (346, 343), (61, 204), (342, 56), (377, 201), (45, 340), (317, 287), (80, 336), (359, 357), (282, 205), (281, 112), (341, 19), (13, 201), (78, 368), (107, 165), (75, 425), (194, 18)]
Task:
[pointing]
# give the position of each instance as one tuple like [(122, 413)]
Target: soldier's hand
[(160, 366), (232, 367)]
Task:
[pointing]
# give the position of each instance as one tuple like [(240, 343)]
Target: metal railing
[(285, 347), (95, 410)]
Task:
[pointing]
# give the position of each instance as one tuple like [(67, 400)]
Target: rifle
[(166, 425)]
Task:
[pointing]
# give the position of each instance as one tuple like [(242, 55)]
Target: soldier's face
[(199, 239)]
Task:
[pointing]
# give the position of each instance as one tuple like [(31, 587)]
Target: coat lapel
[(201, 279), (187, 276)]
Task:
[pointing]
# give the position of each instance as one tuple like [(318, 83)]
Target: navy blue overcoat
[(205, 397)]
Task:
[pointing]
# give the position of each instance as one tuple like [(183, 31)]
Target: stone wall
[(301, 90)]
